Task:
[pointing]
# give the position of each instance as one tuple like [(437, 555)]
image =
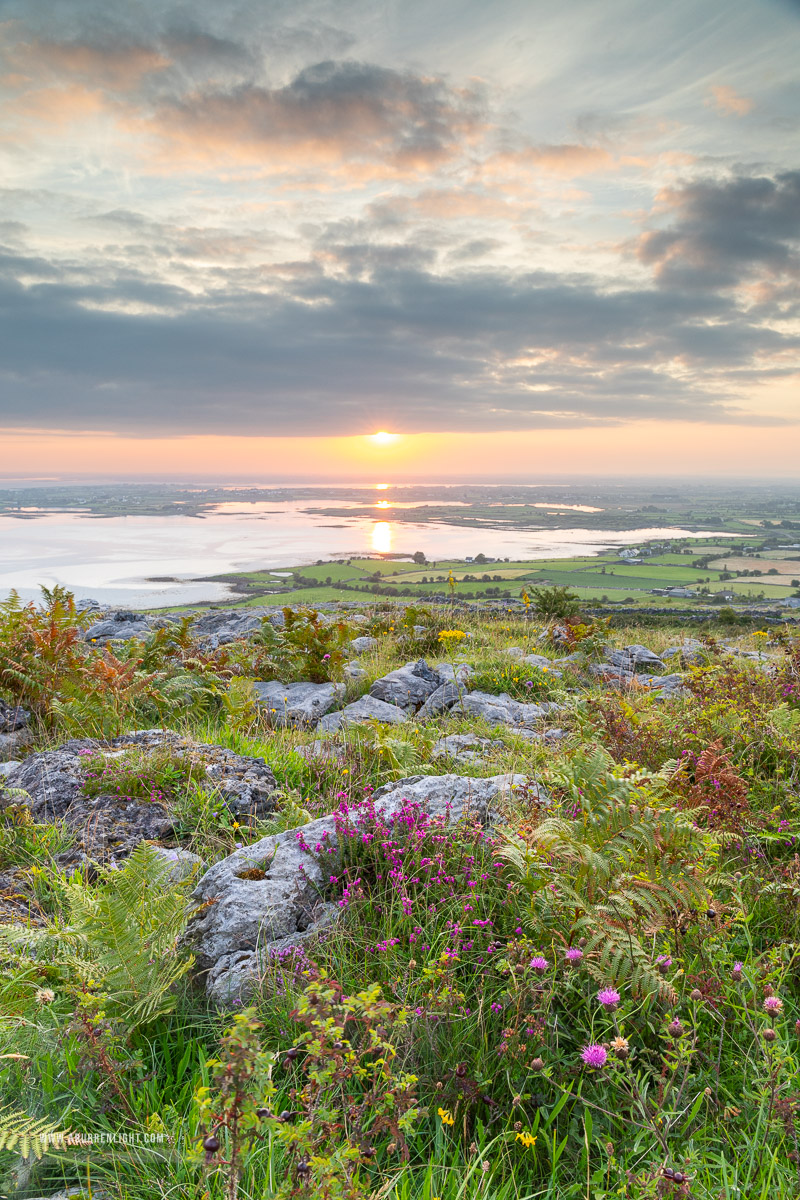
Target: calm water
[(115, 559)]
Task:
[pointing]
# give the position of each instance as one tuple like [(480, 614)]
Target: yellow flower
[(454, 634), (528, 1139), (446, 1116)]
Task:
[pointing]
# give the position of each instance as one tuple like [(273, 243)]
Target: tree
[(419, 557)]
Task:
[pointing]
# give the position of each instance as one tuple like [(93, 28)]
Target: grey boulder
[(504, 710), (408, 686), (12, 743), (118, 627), (365, 709), (440, 701), (300, 705), (634, 658), (464, 747), (362, 645)]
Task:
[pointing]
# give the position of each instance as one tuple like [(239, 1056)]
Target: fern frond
[(30, 1135)]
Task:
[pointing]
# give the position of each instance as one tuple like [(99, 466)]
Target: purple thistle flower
[(608, 997), (574, 954), (737, 972), (594, 1055), (675, 1027), (539, 962), (773, 1004)]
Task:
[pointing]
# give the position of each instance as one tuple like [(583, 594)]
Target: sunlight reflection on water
[(382, 537)]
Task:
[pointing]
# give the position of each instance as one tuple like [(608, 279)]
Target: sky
[(240, 238)]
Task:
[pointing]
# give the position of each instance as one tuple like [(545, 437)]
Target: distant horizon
[(542, 480)]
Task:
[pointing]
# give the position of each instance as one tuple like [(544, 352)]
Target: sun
[(382, 438)]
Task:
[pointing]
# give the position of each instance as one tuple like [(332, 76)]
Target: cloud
[(726, 232), (727, 101), (385, 342), (331, 111)]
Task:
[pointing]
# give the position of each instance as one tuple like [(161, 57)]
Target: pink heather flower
[(574, 954), (539, 962), (594, 1055), (608, 997), (773, 1004)]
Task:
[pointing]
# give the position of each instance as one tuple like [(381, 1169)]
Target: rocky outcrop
[(109, 826), (365, 709), (504, 710), (300, 705), (119, 627), (444, 698), (465, 748), (272, 894), (634, 658), (408, 687)]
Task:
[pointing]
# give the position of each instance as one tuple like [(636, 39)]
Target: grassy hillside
[(592, 994)]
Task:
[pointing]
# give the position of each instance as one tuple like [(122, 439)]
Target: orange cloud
[(121, 68), (727, 101), (566, 161)]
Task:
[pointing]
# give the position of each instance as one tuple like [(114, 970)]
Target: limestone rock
[(300, 705), (464, 747), (408, 686), (539, 660), (109, 826), (119, 627), (440, 701), (365, 709), (634, 658), (504, 710), (362, 645), (12, 743)]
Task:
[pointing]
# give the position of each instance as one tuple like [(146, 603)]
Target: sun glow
[(382, 438), (382, 537)]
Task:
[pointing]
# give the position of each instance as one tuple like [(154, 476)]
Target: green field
[(591, 578)]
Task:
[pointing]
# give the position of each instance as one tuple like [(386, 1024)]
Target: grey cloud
[(727, 231), (402, 348), (356, 109)]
